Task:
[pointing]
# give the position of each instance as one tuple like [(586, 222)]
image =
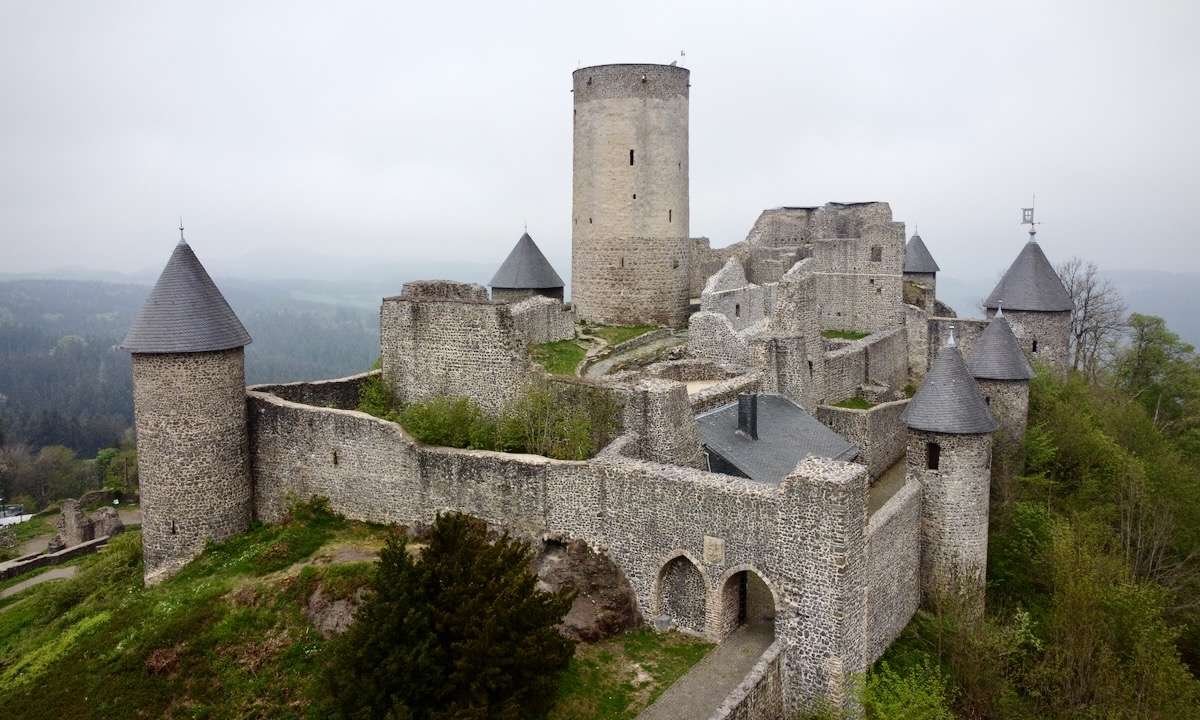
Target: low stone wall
[(636, 342), (724, 392), (337, 393), (881, 357), (32, 562), (541, 320), (877, 431), (894, 548), (845, 370), (760, 695)]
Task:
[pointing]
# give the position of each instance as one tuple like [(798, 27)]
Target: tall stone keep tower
[(189, 404), (950, 453), (629, 230)]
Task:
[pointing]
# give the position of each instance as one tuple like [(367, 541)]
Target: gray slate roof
[(949, 400), (185, 312), (996, 355), (786, 435), (917, 258), (526, 268), (1030, 283)]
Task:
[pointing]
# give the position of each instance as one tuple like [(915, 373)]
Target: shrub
[(919, 692), (460, 632), (375, 397)]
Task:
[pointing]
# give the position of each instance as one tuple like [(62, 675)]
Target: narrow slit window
[(669, 214), (737, 310), (622, 262), (335, 457), (631, 156), (1035, 344), (810, 368), (173, 529), (933, 455)]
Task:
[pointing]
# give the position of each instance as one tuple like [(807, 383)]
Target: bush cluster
[(540, 421)]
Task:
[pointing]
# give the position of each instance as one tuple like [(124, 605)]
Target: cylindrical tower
[(189, 401), (950, 453), (629, 230)]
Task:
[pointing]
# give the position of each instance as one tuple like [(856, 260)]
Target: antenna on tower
[(1027, 219)]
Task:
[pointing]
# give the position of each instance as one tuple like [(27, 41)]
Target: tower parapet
[(189, 405), (629, 225)]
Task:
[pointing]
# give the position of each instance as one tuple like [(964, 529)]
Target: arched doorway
[(681, 594), (746, 600)]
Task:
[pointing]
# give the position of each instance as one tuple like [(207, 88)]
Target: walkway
[(602, 367), (58, 573), (699, 693)]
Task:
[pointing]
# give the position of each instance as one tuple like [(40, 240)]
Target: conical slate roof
[(526, 268), (185, 312), (996, 355), (949, 400), (1030, 283), (917, 258)]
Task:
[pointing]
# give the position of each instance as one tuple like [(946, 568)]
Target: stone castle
[(741, 487)]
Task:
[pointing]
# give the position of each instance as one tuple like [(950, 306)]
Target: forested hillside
[(64, 382)]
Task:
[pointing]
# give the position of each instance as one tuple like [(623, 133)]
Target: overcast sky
[(340, 133)]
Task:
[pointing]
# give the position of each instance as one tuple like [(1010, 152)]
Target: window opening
[(933, 455)]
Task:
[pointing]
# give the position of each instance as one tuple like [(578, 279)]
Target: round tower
[(950, 453), (1037, 305), (189, 404), (629, 229)]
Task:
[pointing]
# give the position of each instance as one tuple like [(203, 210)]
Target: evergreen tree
[(460, 632)]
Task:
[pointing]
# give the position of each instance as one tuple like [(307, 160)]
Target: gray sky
[(345, 133)]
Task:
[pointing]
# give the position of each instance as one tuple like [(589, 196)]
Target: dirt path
[(58, 573), (698, 693)]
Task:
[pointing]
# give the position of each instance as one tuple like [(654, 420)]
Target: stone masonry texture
[(629, 218), (1051, 330), (190, 413)]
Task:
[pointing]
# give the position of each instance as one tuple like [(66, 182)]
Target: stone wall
[(954, 513), (190, 413), (1051, 331), (704, 260), (659, 413), (433, 346), (724, 392), (760, 695), (540, 319), (630, 243), (894, 546), (512, 295), (860, 280), (966, 331), (877, 431), (804, 538), (729, 293), (916, 327), (337, 393)]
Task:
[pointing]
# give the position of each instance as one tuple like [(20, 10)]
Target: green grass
[(617, 334), (559, 358), (602, 682), (34, 527), (843, 334), (855, 403)]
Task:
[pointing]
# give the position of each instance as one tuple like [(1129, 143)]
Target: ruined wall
[(916, 327), (630, 243), (781, 227), (846, 370), (512, 295), (894, 546), (760, 695), (712, 336), (659, 413), (540, 319), (1051, 330), (336, 393), (729, 293), (190, 414), (724, 392), (432, 346), (954, 513), (792, 352), (704, 260), (860, 279), (878, 432)]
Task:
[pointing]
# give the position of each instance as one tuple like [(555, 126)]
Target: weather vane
[(1027, 218)]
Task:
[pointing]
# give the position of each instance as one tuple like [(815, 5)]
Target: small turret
[(950, 452), (524, 273), (920, 270), (190, 407)]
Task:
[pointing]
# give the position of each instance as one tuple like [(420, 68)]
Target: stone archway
[(681, 594), (746, 599)]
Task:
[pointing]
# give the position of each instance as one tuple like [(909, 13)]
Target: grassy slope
[(616, 334), (228, 636), (559, 358), (844, 334)]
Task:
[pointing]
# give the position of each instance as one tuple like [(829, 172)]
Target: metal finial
[(951, 342), (181, 229), (999, 308)]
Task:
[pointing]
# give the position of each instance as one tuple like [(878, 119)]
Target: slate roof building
[(189, 404), (1002, 373), (763, 437), (920, 274), (948, 401), (1037, 304), (917, 259), (524, 273)]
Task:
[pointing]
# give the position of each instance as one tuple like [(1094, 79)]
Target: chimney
[(748, 416)]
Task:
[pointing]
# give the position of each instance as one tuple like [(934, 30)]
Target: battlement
[(640, 80)]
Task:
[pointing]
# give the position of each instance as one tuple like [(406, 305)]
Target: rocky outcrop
[(604, 601)]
